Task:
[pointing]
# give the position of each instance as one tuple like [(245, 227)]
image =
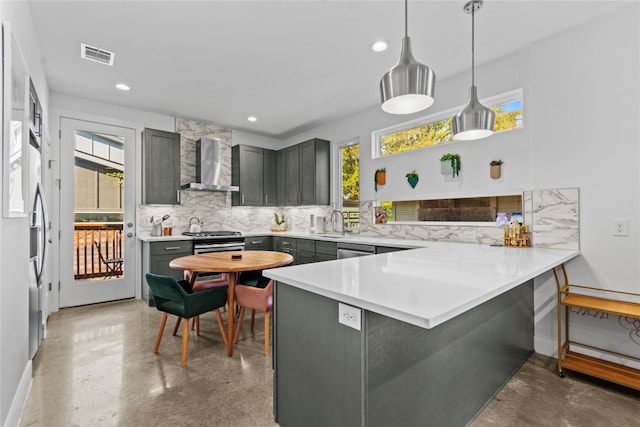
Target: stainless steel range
[(216, 241)]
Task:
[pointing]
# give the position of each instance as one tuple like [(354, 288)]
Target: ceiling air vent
[(96, 54)]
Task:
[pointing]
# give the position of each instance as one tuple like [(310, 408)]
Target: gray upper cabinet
[(306, 173), (269, 174), (253, 170), (292, 175), (314, 181), (160, 167), (281, 177)]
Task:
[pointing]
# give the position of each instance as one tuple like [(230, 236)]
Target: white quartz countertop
[(427, 286)]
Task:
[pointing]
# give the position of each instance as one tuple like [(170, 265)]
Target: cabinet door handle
[(178, 195), (266, 199), (242, 202), (256, 242), (285, 243), (172, 248)]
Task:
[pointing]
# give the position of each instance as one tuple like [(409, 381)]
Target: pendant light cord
[(406, 19), (473, 10)]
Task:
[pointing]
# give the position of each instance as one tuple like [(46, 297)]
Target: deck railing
[(88, 263)]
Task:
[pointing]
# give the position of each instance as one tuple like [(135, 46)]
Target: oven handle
[(197, 246)]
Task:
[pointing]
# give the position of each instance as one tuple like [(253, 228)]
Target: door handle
[(129, 234)]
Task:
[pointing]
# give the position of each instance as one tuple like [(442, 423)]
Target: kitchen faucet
[(339, 212)]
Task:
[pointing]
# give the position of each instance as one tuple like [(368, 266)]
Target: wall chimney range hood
[(208, 167)]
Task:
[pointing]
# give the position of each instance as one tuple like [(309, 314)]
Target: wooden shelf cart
[(570, 295)]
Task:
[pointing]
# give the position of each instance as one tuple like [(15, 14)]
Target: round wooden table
[(224, 262)]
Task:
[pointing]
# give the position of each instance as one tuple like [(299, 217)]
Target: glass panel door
[(97, 213)]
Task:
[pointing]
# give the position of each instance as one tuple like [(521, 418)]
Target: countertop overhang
[(426, 286)]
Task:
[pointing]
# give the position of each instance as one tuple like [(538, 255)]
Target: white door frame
[(78, 293)]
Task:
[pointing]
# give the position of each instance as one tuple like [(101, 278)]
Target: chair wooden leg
[(223, 331), (196, 320), (266, 333), (175, 328), (185, 342), (253, 318), (238, 326), (160, 331)]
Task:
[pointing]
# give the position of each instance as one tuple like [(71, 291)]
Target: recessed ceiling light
[(379, 46), (122, 86), (252, 118)]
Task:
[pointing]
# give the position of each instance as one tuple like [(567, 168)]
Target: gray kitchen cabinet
[(156, 257), (260, 243), (326, 251), (306, 249), (314, 179), (303, 173), (281, 178), (247, 172), (287, 245), (292, 175), (160, 167), (269, 177)]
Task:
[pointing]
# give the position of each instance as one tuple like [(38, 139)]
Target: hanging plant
[(412, 178), (380, 177), (450, 164), (495, 170)]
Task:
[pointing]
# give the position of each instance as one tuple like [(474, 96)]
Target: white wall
[(581, 129), (15, 366)]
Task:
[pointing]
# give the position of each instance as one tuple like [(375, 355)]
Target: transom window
[(436, 129)]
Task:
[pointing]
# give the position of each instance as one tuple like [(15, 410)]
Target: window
[(350, 182), (459, 210), (436, 129)]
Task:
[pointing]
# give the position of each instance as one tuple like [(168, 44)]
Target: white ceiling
[(293, 64)]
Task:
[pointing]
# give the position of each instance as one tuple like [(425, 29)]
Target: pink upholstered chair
[(256, 299)]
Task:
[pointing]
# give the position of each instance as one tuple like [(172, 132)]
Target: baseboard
[(20, 398), (545, 346)]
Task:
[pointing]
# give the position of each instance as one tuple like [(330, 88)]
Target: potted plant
[(412, 178), (380, 177), (495, 170), (280, 223), (450, 164)]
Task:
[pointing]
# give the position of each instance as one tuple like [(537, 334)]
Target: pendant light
[(474, 121), (409, 86)]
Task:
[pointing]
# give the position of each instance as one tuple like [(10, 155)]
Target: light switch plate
[(349, 316)]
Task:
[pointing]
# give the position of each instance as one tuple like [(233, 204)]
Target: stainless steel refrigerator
[(38, 223)]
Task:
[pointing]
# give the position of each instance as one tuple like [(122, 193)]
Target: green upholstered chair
[(170, 298)]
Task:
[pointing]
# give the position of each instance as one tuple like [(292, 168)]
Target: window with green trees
[(436, 129)]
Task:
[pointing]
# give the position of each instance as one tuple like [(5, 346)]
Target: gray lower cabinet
[(253, 170), (326, 251), (160, 167), (319, 387), (260, 243), (391, 373), (156, 257), (287, 245)]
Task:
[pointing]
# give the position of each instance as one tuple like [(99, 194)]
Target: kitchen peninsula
[(426, 336)]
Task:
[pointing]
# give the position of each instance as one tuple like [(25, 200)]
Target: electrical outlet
[(349, 316), (620, 227)]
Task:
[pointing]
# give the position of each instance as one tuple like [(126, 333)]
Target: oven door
[(203, 248), (207, 247)]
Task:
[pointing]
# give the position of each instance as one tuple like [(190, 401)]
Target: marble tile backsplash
[(552, 215)]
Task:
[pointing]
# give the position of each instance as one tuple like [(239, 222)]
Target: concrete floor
[(96, 368)]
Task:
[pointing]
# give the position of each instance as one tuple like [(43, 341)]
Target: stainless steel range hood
[(208, 167)]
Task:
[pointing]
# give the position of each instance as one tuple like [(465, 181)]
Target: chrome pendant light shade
[(474, 121), (409, 86)]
